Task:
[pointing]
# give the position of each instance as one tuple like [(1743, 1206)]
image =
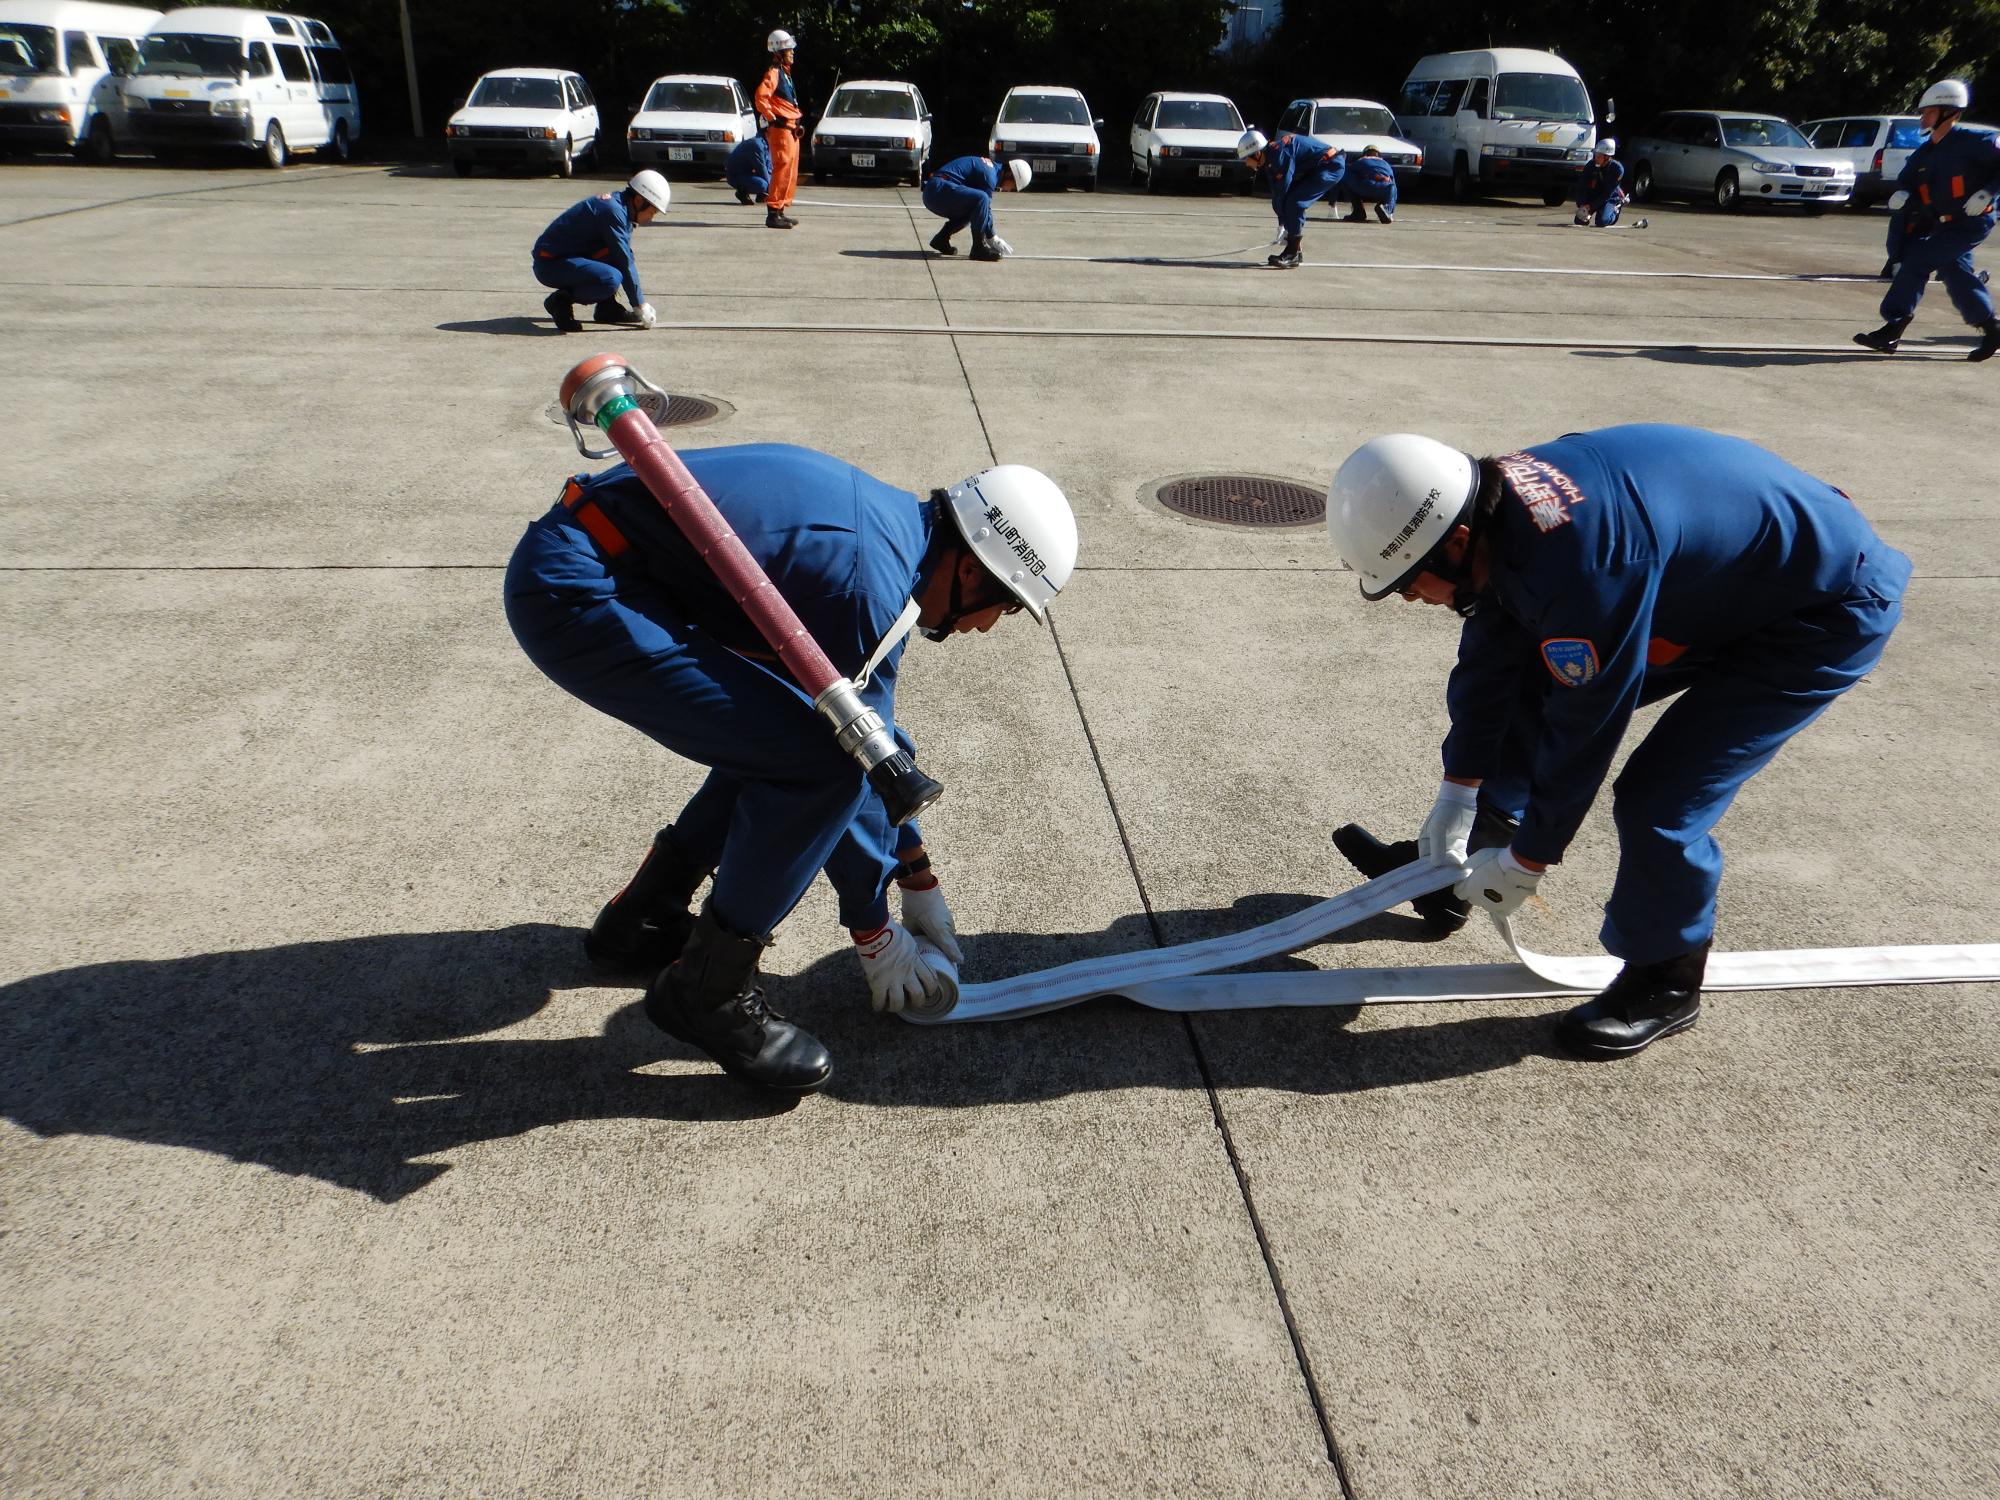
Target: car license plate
[(680, 153), (1043, 164), (1212, 170), (864, 158)]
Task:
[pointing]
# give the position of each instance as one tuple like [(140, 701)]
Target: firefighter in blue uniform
[(1369, 179), (1599, 573), (586, 253), (748, 169), (613, 604), (961, 193), (1943, 211), (1600, 191), (1302, 171)]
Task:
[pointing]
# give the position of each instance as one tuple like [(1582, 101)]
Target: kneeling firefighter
[(613, 603), (961, 193), (586, 253)]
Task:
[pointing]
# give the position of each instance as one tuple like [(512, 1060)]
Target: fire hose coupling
[(599, 391), (905, 791)]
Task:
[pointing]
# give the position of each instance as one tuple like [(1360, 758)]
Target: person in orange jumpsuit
[(778, 111)]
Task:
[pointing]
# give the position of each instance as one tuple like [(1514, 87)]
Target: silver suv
[(1732, 157)]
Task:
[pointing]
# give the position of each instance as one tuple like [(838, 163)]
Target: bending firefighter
[(961, 193), (612, 602), (778, 113), (1597, 574), (748, 169), (586, 254), (1302, 170), (1369, 179), (1943, 211)]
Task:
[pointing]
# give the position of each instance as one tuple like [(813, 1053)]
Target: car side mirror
[(925, 115), (1097, 124)]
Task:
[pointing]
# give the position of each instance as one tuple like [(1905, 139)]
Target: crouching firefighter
[(1597, 574), (748, 169), (586, 253), (1369, 179), (961, 193), (1302, 170), (612, 602)]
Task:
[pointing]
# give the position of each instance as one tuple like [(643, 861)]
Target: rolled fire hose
[(606, 393), (1183, 978)]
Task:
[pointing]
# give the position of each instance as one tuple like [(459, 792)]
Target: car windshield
[(1043, 109), (1539, 96), (27, 49), (517, 93), (693, 98), (1198, 114), (872, 104), (1761, 133), (187, 54), (1352, 119), (1905, 135)]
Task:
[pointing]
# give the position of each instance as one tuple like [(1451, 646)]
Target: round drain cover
[(682, 411), (1242, 499)]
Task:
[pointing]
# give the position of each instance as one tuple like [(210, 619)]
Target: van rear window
[(332, 64), (281, 26)]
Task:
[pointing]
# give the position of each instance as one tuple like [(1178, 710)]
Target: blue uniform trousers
[(1735, 709), (749, 171), (1360, 190), (585, 280), (1311, 185), (959, 206), (781, 800), (1607, 214), (1946, 250)]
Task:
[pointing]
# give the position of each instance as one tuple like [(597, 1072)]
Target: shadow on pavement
[(351, 1060), (1725, 359), (536, 328)]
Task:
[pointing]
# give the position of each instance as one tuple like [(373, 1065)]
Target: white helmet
[(1608, 146), (651, 186), (1951, 93), (780, 40), (1392, 502), (1249, 144), (1018, 524), (1022, 174)]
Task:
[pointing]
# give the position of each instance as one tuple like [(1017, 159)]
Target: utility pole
[(410, 70)]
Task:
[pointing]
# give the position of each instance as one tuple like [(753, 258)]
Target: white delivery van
[(243, 80), (60, 66), (1505, 120)]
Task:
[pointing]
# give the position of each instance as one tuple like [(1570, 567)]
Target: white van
[(246, 80), (60, 63), (1501, 121)]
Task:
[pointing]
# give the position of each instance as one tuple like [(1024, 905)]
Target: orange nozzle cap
[(573, 382)]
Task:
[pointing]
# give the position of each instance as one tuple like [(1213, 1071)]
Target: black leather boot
[(613, 312), (1374, 859), (1644, 1003), (1357, 215), (1290, 259), (1884, 339), (709, 998), (941, 242), (1989, 341), (982, 249), (557, 306), (643, 928)]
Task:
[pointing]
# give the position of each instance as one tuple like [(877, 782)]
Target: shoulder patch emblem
[(1571, 660)]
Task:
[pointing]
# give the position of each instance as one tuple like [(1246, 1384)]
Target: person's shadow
[(520, 327), (351, 1060)]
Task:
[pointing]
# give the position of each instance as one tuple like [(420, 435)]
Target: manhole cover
[(682, 411), (1242, 499)]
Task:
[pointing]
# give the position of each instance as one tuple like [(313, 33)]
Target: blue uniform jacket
[(1301, 164), (1624, 548), (596, 229), (749, 162), (974, 172), (1939, 177), (1370, 171), (1597, 186)]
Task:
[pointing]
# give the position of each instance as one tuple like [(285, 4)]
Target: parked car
[(1876, 146), (215, 78), (60, 63), (539, 116), (1187, 138), (873, 127), (1352, 124), (1503, 120), (1052, 129), (1732, 157), (690, 120)]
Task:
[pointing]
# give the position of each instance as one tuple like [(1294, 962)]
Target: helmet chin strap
[(954, 611)]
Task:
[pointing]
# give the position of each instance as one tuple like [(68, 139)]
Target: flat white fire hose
[(1183, 978)]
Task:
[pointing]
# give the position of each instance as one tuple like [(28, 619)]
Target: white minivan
[(60, 62), (245, 80), (1506, 120)]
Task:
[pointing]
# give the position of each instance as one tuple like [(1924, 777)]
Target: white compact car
[(873, 128), (1352, 124), (1876, 146), (1187, 138), (690, 120), (539, 116), (1050, 127), (60, 65)]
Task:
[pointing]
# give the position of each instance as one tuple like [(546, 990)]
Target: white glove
[(927, 916), (647, 317), (1001, 245), (1442, 839), (1979, 202), (897, 973), (1497, 882), (1897, 200)]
